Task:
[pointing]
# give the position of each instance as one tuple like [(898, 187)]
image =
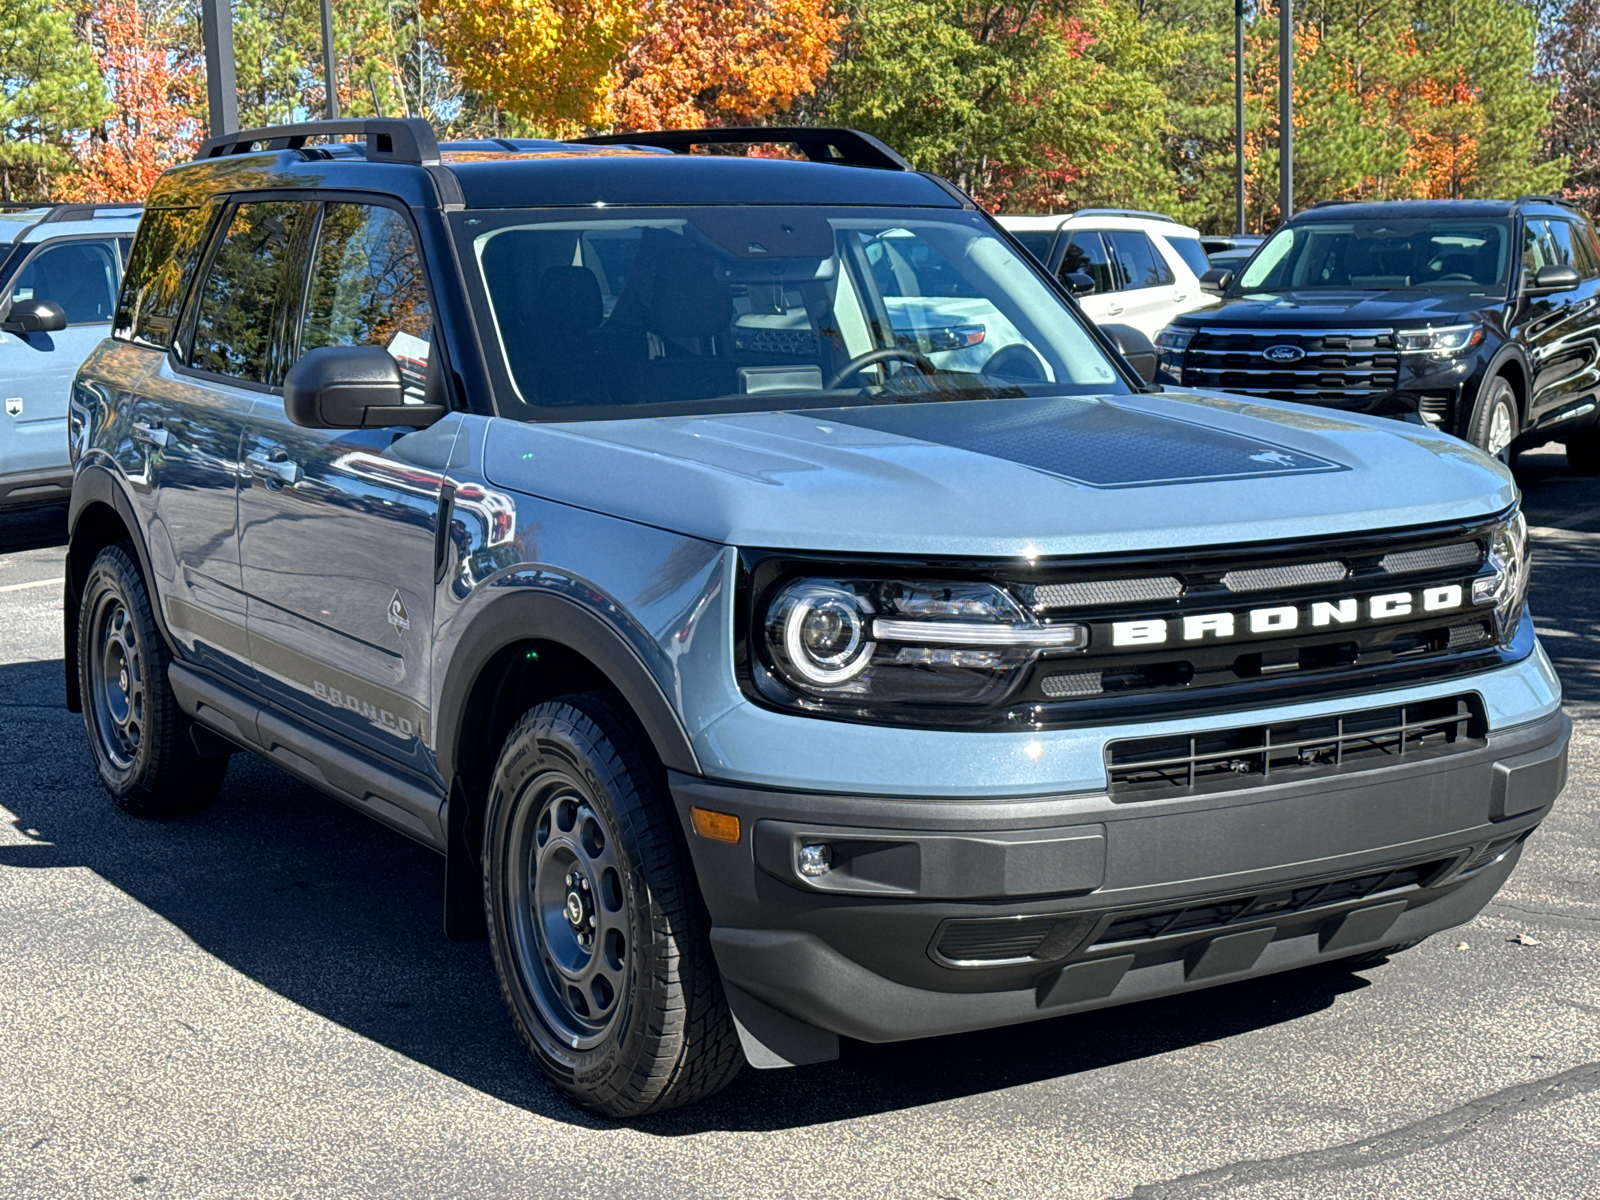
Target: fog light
[(816, 860)]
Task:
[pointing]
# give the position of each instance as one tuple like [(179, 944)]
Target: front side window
[(79, 276), (160, 265), (1383, 254), (249, 288), (368, 289), (1140, 264), (731, 309), (1086, 255)]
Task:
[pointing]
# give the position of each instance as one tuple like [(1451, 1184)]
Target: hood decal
[(1089, 441)]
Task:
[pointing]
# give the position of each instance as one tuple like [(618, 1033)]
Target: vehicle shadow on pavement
[(33, 528), (342, 917)]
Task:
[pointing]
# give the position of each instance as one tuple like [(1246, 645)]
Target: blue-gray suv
[(788, 617)]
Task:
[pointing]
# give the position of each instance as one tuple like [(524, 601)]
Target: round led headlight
[(823, 632)]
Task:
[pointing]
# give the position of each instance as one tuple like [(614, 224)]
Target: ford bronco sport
[(766, 674)]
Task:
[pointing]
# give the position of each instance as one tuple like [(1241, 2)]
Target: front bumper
[(948, 915)]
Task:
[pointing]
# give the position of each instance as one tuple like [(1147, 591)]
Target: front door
[(1559, 327), (337, 527), (36, 369), (1148, 283)]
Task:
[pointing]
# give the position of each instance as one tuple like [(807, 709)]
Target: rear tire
[(1583, 452), (599, 936), (139, 737), (1494, 425)]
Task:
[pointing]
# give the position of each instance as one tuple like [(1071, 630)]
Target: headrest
[(567, 299), (687, 300)]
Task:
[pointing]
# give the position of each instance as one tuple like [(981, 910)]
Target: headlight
[(887, 641), (1507, 587), (1444, 341), (1175, 338)]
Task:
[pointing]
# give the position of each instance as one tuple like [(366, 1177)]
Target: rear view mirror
[(351, 387), (1139, 351), (1555, 278), (34, 316), (1079, 283), (1216, 279)]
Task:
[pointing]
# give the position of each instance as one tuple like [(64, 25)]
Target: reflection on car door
[(1146, 279), (1560, 327), (337, 527), (1086, 254), (36, 369)]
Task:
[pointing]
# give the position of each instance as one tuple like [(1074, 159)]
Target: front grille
[(1226, 759), (1348, 367), (1273, 578), (1147, 924), (1108, 591), (1434, 558)]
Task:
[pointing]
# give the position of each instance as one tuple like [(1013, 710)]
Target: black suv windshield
[(637, 312), (1384, 255)]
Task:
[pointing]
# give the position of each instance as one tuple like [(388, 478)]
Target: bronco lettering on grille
[(1286, 618)]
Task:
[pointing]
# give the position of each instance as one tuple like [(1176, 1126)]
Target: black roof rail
[(848, 147), (389, 139), (1124, 212), (83, 212), (1536, 199), (1326, 203)]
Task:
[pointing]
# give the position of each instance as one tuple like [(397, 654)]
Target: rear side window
[(248, 290), (1086, 255), (1192, 252), (368, 289), (160, 266), (79, 276), (1140, 263)]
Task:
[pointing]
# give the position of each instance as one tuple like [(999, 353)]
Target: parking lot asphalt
[(258, 1001)]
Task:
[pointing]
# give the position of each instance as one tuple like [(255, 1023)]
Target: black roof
[(1414, 210)]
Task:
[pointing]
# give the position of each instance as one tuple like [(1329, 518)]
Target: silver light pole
[(330, 80), (1285, 109), (222, 84), (1238, 112)]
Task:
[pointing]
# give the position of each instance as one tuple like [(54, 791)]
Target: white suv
[(1146, 267)]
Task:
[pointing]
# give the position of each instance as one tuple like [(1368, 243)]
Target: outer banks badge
[(398, 617)]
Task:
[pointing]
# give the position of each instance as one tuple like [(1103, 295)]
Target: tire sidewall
[(111, 574), (1497, 391), (543, 746)]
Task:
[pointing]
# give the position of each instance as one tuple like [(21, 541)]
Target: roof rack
[(83, 212), (1124, 212), (389, 139), (1534, 199), (1326, 203), (848, 147)]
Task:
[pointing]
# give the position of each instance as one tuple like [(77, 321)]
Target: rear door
[(1148, 283), (82, 275)]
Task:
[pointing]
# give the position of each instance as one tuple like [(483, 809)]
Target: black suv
[(1478, 317)]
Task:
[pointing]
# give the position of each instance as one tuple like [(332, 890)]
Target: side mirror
[(34, 316), (1216, 279), (1555, 278), (1079, 283), (351, 387), (1139, 351)]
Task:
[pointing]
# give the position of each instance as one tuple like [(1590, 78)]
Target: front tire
[(1583, 452), (139, 737), (598, 933), (1494, 425)]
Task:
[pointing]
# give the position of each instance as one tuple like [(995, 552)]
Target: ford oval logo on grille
[(1283, 354)]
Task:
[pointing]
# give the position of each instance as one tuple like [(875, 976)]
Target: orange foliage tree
[(153, 91), (723, 62)]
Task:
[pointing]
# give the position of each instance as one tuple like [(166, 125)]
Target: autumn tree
[(153, 120), (1572, 64)]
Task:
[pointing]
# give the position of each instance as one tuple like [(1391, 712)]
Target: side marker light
[(715, 826)]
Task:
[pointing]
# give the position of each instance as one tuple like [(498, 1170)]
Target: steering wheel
[(1455, 275), (1016, 362), (883, 354)]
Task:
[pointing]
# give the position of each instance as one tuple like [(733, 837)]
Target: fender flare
[(518, 615), (1510, 352), (98, 484)]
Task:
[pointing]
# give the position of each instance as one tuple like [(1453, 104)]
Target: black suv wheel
[(598, 933), (1494, 425), (139, 737), (1583, 452)]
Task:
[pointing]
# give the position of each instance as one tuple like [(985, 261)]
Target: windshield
[(1383, 255), (734, 309)]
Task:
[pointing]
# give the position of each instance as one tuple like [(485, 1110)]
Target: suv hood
[(1322, 308), (1008, 477)]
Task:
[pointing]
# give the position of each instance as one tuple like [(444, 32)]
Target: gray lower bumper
[(1141, 899)]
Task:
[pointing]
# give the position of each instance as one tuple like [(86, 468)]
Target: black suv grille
[(1225, 759), (1341, 367)]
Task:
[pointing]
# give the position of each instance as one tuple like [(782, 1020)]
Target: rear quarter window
[(160, 267), (1192, 252)]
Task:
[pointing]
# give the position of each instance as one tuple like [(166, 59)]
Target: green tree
[(50, 94)]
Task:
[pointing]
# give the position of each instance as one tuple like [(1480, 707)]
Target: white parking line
[(17, 587)]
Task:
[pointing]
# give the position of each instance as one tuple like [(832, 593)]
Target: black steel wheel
[(1495, 424), (599, 936), (139, 737)]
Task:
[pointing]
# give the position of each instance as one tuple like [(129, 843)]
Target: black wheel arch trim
[(1511, 352), (518, 616), (96, 484)]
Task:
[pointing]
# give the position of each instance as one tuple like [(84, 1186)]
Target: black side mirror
[(1079, 283), (34, 316), (1555, 278), (1216, 279), (351, 387), (1139, 351)]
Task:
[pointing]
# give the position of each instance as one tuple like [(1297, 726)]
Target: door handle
[(153, 434), (1180, 297), (276, 465), (1113, 309)]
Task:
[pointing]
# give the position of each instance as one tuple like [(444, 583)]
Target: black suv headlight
[(872, 642), (1506, 586), (1444, 341)]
